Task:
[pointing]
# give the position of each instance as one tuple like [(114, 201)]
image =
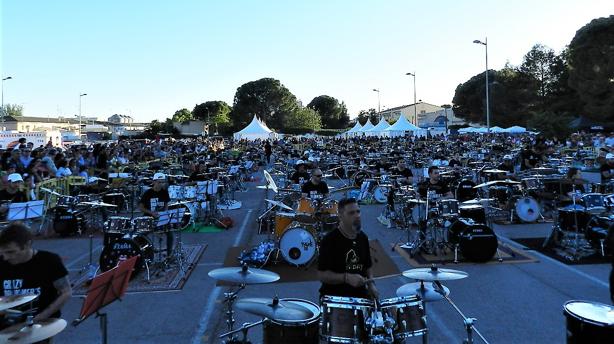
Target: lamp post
[(80, 96), (379, 112), (485, 44), (415, 104), (3, 111)]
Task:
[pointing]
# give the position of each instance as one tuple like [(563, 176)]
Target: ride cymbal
[(435, 274), (244, 275)]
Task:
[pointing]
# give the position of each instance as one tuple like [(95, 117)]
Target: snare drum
[(594, 203), (143, 224), (304, 331), (448, 207), (589, 322), (408, 315), (344, 319), (117, 224), (298, 245)]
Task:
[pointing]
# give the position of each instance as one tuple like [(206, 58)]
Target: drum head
[(380, 194), (594, 312), (124, 248), (527, 209), (298, 246)]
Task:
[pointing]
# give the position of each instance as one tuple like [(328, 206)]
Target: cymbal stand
[(243, 329), (229, 299), (468, 322), (575, 217), (425, 337), (90, 267)]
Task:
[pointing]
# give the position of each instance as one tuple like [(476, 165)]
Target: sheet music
[(25, 210)]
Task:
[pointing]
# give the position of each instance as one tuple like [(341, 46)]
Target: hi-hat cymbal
[(24, 334), (278, 204), (244, 275), (8, 302), (274, 309), (98, 204), (435, 274), (50, 191), (426, 291)]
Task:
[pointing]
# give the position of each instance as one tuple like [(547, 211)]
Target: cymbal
[(23, 333), (274, 309), (50, 191), (435, 274), (290, 190), (345, 188), (244, 275), (98, 204), (279, 204), (8, 302), (177, 176), (507, 181), (478, 201), (494, 171), (95, 179), (485, 184), (426, 291), (415, 201)]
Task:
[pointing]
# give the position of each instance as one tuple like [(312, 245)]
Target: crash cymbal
[(274, 309), (40, 330), (8, 302), (507, 181), (426, 291), (415, 201), (478, 201), (279, 204), (50, 191), (485, 184), (494, 171), (244, 275), (96, 179), (98, 204), (435, 274)]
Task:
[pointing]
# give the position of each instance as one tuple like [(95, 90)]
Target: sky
[(149, 58)]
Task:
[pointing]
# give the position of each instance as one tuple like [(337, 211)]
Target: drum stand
[(243, 329), (229, 299), (90, 267)]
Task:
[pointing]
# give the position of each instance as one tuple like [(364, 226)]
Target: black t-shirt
[(532, 157), (155, 200), (405, 173), (506, 168), (296, 177), (17, 197), (342, 255), (604, 168), (35, 276), (440, 188), (309, 187)]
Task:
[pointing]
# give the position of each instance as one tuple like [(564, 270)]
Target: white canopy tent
[(402, 126), (378, 130), (497, 130), (352, 132), (254, 131), (515, 130), (366, 127)]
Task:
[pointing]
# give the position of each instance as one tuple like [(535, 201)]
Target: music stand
[(106, 288), (25, 210)]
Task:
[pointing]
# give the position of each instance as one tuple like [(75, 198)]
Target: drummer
[(14, 192), (25, 270), (607, 169), (154, 200), (315, 185), (406, 177), (434, 184), (300, 175), (508, 167), (344, 263)]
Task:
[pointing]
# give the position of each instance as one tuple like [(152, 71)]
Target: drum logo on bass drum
[(121, 246)]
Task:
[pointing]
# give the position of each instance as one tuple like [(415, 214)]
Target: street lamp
[(379, 112), (415, 104), (7, 78), (485, 44), (80, 96)]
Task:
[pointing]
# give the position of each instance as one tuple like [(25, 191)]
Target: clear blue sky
[(149, 58)]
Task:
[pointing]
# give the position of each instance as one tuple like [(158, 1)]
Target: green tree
[(591, 68), (13, 110), (334, 115), (182, 115), (365, 115), (303, 119), (540, 64), (217, 112), (550, 124), (267, 98)]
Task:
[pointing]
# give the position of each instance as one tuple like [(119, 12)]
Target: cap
[(299, 162), (15, 177), (609, 156), (507, 157), (159, 176)]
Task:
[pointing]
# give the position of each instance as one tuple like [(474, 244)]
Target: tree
[(540, 64), (365, 115), (182, 115), (216, 113), (267, 98), (550, 124), (591, 68), (303, 119), (13, 110), (333, 114)]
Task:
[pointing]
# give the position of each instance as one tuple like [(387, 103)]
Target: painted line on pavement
[(556, 262), (215, 294)]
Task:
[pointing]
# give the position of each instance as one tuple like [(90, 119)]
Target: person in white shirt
[(63, 170)]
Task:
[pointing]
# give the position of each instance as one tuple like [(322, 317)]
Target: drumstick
[(382, 277)]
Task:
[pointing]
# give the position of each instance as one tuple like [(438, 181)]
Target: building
[(121, 119), (429, 115), (28, 123)]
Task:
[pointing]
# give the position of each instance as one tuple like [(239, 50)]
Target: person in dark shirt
[(154, 200), (344, 263), (315, 185), (13, 193), (530, 159), (508, 167), (434, 184), (607, 169), (25, 270), (406, 176), (300, 173)]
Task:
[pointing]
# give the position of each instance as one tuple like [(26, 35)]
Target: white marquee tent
[(378, 130), (354, 131), (254, 131), (402, 126), (515, 129), (366, 127)]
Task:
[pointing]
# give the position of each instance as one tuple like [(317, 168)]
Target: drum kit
[(29, 331), (339, 319)]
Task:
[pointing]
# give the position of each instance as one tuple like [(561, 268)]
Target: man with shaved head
[(315, 185)]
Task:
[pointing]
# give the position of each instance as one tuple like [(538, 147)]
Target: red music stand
[(104, 289)]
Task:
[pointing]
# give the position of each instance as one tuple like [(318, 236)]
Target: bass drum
[(298, 246), (124, 248), (465, 190), (589, 322), (303, 331), (477, 242), (527, 209), (359, 177), (380, 193), (67, 222)]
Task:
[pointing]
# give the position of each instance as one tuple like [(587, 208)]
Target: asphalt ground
[(513, 303)]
